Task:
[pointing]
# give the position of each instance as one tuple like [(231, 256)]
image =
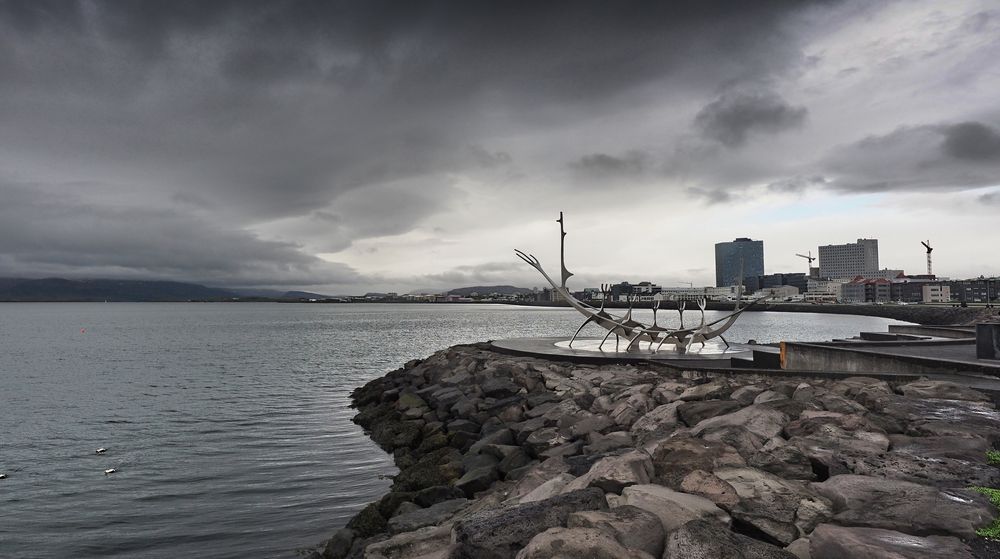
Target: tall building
[(850, 260), (729, 256)]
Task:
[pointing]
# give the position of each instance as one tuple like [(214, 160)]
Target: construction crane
[(927, 245), (808, 256)]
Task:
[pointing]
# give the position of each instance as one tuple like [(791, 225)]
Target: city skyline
[(343, 148)]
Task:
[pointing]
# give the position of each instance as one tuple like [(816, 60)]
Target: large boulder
[(577, 543), (699, 539), (633, 527), (760, 420), (907, 507), (707, 391), (673, 508), (549, 489), (783, 460), (675, 458), (691, 413), (943, 390), (829, 541), (499, 532), (434, 514), (614, 473), (711, 487), (432, 541), (784, 510), (661, 419)]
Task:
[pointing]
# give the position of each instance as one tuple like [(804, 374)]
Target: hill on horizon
[(86, 290), (486, 289)]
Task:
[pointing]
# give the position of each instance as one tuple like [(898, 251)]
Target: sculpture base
[(591, 350)]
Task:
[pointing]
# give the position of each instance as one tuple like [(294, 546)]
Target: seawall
[(504, 457)]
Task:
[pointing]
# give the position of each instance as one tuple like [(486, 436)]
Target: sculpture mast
[(562, 251)]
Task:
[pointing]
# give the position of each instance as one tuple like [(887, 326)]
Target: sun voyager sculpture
[(624, 326)]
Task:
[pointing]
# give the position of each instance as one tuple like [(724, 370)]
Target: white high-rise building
[(850, 260)]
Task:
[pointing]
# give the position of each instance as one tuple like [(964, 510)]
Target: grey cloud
[(711, 195), (990, 198), (735, 115), (972, 141), (939, 156), (51, 232), (798, 184), (630, 163)]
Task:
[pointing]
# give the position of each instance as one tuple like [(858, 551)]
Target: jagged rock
[(599, 444), (900, 505), (668, 391), (700, 539), (784, 510), (435, 514), (463, 426), (707, 391), (595, 423), (673, 508), (761, 420), (430, 542), (633, 527), (499, 533), (804, 392), (549, 489), (837, 542), (711, 487), (340, 544), (440, 467), (942, 390), (479, 479), (745, 395), (675, 458), (523, 429), (409, 400), (404, 508), (472, 461), (627, 411), (769, 396), (836, 403), (436, 494), (571, 448), (783, 460), (799, 548), (368, 522), (745, 442), (614, 473), (660, 419), (585, 543), (940, 472), (517, 458), (691, 413), (537, 475), (543, 439), (499, 388)]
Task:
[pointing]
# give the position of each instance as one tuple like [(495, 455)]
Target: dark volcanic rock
[(700, 539), (837, 542), (676, 458), (631, 526), (501, 532), (691, 413)]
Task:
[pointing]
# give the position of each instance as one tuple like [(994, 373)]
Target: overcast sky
[(348, 147)]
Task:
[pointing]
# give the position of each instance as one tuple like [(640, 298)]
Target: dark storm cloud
[(630, 163), (735, 115), (926, 157), (265, 115), (50, 231)]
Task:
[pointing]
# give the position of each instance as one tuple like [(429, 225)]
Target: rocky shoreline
[(504, 457)]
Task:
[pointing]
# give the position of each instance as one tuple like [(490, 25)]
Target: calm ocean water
[(228, 423)]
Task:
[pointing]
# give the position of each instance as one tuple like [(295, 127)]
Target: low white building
[(937, 293)]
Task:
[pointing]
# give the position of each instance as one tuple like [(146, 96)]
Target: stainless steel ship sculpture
[(632, 330)]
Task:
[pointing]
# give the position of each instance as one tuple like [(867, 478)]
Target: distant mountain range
[(487, 289), (58, 289)]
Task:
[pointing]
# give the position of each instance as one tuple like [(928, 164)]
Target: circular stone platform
[(587, 350)]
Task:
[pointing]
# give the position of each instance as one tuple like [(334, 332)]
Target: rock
[(907, 507), (692, 413), (783, 460), (368, 522), (673, 508), (970, 449), (804, 393), (711, 487), (707, 391), (479, 479), (838, 542), (583, 543), (769, 396), (593, 424), (614, 473), (543, 439), (745, 395), (675, 458), (548, 489), (472, 461), (500, 532), (339, 545), (516, 459), (537, 475), (799, 548), (436, 494), (599, 444), (426, 543), (499, 388), (660, 419), (700, 539), (668, 391), (745, 442), (761, 420), (566, 449), (784, 510), (811, 425), (409, 400), (463, 426), (943, 390), (404, 508), (435, 514), (440, 467), (633, 527), (627, 411)]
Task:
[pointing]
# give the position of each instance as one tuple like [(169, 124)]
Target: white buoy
[(101, 450), (110, 471)]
